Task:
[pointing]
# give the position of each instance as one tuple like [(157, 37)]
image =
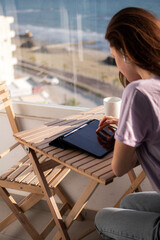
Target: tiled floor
[(39, 216)]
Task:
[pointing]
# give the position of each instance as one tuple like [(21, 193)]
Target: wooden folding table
[(99, 171)]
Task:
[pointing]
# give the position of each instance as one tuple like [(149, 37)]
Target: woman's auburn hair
[(137, 32)]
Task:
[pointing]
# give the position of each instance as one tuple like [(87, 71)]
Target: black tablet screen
[(86, 138)]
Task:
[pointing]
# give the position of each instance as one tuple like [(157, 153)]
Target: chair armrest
[(9, 150)]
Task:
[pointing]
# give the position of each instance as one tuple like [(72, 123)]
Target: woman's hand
[(106, 121), (106, 138)]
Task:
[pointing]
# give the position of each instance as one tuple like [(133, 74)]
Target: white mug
[(112, 106)]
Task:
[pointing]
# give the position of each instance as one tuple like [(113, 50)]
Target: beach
[(79, 65)]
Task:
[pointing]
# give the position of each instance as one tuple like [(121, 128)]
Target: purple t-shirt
[(139, 125)]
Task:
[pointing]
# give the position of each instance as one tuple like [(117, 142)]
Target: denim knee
[(124, 224), (102, 220), (142, 201), (128, 201)]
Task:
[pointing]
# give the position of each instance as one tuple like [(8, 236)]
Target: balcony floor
[(39, 216)]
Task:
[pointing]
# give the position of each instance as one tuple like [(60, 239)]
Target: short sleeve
[(135, 123)]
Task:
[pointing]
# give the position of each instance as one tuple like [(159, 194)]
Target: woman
[(134, 38)]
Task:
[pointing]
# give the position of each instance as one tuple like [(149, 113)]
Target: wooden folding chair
[(21, 177)]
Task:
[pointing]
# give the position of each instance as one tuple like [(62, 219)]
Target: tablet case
[(85, 137)]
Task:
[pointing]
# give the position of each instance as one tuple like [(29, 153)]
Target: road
[(90, 84), (63, 93)]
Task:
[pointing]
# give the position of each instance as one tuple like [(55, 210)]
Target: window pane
[(62, 56)]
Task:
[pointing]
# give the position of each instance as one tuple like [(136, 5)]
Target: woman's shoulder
[(144, 86), (132, 88)]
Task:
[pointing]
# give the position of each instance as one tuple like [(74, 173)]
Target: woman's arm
[(124, 158)]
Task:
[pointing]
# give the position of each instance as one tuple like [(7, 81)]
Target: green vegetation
[(32, 58), (104, 77), (71, 102), (65, 66), (116, 81)]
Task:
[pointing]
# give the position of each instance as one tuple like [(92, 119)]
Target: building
[(6, 50)]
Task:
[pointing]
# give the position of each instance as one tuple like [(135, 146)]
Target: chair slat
[(24, 173), (29, 177), (54, 173), (4, 96), (60, 177), (27, 171), (3, 86), (13, 168), (9, 150), (19, 171), (5, 104), (35, 181)]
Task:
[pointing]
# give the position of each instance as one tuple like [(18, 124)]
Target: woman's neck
[(145, 74)]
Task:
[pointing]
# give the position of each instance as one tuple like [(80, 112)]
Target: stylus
[(76, 129)]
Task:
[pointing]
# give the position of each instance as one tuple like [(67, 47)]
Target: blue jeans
[(138, 218)]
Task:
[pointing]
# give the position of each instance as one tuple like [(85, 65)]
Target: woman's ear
[(125, 58)]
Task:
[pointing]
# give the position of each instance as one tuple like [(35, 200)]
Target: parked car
[(49, 79), (36, 87), (24, 86)]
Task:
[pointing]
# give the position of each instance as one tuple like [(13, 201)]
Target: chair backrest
[(6, 103)]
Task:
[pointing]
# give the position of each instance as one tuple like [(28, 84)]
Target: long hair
[(137, 32)]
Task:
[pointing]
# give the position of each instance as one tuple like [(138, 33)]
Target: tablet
[(85, 137)]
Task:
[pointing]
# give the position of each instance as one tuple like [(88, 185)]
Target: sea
[(69, 21)]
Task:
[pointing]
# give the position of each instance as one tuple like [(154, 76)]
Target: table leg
[(62, 230), (79, 205)]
